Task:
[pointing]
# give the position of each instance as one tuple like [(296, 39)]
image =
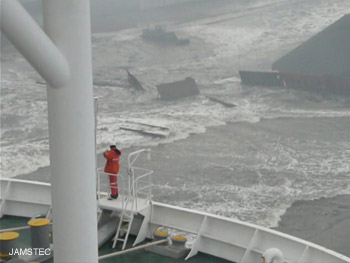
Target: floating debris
[(224, 103), (134, 82), (178, 89), (146, 129), (260, 78), (159, 35)]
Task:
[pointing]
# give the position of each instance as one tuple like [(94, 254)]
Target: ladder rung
[(124, 226)]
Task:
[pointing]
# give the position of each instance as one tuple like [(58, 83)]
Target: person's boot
[(113, 197)]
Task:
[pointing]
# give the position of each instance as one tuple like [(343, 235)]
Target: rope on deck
[(15, 228), (133, 249)]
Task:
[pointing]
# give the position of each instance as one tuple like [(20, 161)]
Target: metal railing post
[(133, 182), (98, 186), (150, 189)]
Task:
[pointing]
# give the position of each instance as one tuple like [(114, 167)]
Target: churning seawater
[(275, 147)]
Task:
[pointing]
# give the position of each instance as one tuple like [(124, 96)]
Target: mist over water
[(275, 147)]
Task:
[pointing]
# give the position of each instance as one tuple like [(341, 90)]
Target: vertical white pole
[(71, 130), (95, 135), (96, 123)]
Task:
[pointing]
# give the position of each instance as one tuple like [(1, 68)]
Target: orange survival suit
[(112, 167)]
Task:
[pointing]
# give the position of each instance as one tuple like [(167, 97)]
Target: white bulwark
[(222, 237)]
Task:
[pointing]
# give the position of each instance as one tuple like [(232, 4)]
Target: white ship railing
[(24, 198), (235, 240), (104, 186), (136, 185), (141, 185), (218, 236)]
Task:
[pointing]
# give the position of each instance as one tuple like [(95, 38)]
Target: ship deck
[(117, 205), (140, 256)]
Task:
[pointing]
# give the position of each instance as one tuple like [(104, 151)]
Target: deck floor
[(136, 256), (117, 205)]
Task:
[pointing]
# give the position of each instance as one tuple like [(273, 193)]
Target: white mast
[(71, 116), (71, 130)]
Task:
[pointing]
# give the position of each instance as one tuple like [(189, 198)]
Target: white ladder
[(128, 211), (126, 217), (124, 225)]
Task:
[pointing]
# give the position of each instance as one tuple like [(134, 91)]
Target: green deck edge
[(140, 256)]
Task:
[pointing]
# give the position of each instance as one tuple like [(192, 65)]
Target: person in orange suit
[(112, 167)]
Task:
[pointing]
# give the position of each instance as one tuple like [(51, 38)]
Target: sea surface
[(249, 162)]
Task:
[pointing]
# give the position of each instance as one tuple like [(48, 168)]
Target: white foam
[(24, 158), (219, 46)]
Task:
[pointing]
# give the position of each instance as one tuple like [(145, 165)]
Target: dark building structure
[(326, 53), (320, 65)]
